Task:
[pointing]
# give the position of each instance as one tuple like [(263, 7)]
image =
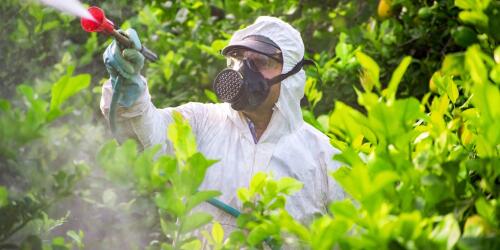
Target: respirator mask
[(242, 83)]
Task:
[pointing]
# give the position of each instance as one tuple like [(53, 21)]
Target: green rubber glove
[(124, 66)]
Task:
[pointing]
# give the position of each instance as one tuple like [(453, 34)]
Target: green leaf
[(350, 123), (344, 208), (383, 179), (447, 232), (390, 91), (486, 210), (495, 73), (211, 96), (194, 172), (370, 66), (218, 44), (169, 201), (465, 4), (258, 234), (194, 221), (325, 232), (217, 233), (487, 100), (244, 195), (342, 49), (165, 246), (475, 65), (58, 241), (4, 196), (181, 136), (472, 4), (496, 55), (353, 180), (453, 64), (408, 225), (475, 226), (451, 89), (66, 87), (167, 227), (348, 156), (163, 170), (191, 245), (237, 237), (4, 105), (477, 18), (257, 183), (76, 237), (117, 160), (288, 185), (200, 197), (391, 122)]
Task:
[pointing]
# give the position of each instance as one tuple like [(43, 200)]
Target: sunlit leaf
[(66, 87), (179, 132), (195, 221), (370, 66), (200, 197), (390, 91), (4, 196), (217, 233)]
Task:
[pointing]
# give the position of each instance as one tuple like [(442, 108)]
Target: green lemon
[(464, 36), (424, 13)]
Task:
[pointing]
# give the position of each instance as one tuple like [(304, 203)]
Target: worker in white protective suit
[(258, 128)]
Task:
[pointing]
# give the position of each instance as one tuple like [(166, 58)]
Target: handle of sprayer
[(123, 40)]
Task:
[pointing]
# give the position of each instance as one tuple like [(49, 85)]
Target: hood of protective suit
[(292, 48)]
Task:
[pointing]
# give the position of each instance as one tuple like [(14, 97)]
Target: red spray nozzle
[(102, 24)]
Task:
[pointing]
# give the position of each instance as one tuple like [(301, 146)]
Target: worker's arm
[(141, 121), (126, 101), (148, 125)]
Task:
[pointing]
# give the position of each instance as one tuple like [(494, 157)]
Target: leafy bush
[(35, 183)]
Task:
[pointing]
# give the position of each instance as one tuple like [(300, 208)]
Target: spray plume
[(73, 7)]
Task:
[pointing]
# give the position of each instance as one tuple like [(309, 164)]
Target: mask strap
[(294, 70)]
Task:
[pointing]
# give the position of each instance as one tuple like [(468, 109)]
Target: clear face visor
[(258, 62)]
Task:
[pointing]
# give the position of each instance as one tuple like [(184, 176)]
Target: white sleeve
[(147, 124)]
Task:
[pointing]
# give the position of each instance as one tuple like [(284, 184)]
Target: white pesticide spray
[(73, 7)]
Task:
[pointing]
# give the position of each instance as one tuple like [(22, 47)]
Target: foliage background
[(58, 192)]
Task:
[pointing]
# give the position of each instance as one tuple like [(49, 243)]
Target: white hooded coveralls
[(288, 147)]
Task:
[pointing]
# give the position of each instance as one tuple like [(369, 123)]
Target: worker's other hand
[(124, 66)]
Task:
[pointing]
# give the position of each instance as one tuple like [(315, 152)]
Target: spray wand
[(103, 25)]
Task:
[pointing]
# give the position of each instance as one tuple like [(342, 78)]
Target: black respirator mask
[(246, 88)]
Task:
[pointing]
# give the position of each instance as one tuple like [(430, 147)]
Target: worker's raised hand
[(124, 66)]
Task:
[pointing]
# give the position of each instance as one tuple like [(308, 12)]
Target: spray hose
[(224, 207)]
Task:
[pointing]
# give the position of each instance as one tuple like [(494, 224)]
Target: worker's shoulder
[(312, 132), (310, 139)]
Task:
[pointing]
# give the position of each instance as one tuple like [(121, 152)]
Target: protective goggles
[(259, 62)]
